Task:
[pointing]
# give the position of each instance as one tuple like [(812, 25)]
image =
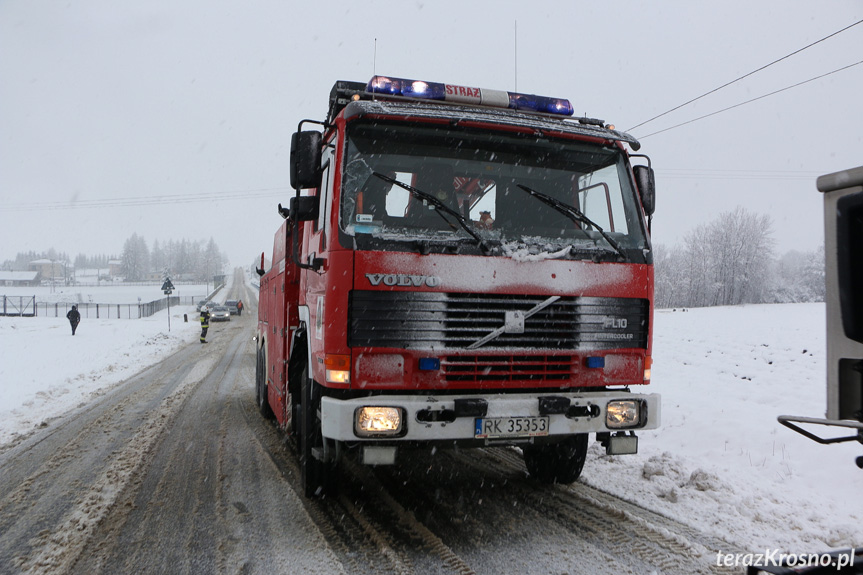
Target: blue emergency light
[(467, 95), (429, 364)]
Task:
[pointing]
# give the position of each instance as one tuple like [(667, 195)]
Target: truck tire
[(559, 462), (261, 398), (318, 477)]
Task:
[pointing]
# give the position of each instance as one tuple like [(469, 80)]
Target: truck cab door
[(318, 238)]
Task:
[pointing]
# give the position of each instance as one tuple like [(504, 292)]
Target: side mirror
[(305, 159), (646, 182), (304, 208), (260, 271)]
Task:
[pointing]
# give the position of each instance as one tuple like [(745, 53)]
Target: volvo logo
[(403, 280)]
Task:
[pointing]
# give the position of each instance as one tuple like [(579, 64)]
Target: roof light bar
[(468, 95)]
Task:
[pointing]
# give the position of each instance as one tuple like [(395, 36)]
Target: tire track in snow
[(407, 520), (43, 473), (56, 552), (626, 525)]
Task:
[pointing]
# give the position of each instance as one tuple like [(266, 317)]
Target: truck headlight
[(375, 421), (621, 414)]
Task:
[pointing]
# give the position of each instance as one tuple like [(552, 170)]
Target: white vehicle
[(220, 313), (843, 247)]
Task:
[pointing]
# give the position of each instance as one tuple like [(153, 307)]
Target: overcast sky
[(173, 118)]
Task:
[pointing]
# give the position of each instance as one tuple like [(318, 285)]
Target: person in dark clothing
[(205, 324), (240, 307), (74, 318)]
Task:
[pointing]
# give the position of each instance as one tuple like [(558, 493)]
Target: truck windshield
[(478, 174)]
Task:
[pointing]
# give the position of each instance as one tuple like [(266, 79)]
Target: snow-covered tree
[(211, 260), (157, 258), (742, 250), (724, 262), (799, 277), (136, 258), (671, 284)]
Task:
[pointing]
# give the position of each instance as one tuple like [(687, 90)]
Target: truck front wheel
[(261, 398), (318, 476), (559, 462)]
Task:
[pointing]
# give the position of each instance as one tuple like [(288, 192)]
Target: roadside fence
[(27, 306), (20, 305)]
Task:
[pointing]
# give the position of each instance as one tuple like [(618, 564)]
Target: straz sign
[(468, 95), (403, 280), (463, 94)]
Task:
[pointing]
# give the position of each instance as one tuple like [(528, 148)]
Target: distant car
[(201, 304), (231, 304), (220, 313)]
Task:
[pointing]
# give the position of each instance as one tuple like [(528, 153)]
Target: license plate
[(493, 427)]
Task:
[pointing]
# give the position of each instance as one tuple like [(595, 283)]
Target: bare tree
[(724, 262), (742, 249)]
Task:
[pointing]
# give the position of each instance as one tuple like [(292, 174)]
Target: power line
[(745, 75), (752, 100), (721, 174)]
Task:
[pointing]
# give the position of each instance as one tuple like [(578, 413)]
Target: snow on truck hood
[(398, 270)]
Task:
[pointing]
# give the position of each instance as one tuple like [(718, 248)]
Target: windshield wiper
[(439, 205), (574, 214)]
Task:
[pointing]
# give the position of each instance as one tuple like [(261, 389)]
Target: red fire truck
[(459, 267)]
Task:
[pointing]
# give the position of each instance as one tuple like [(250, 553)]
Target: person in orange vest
[(205, 324), (240, 307)]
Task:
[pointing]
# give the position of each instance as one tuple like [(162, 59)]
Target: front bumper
[(587, 416)]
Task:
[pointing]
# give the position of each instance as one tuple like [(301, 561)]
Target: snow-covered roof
[(18, 276)]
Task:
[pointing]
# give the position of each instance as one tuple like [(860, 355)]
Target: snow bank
[(720, 460), (45, 371)]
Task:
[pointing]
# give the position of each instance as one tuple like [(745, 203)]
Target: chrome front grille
[(435, 320)]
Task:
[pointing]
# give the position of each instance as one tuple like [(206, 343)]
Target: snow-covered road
[(720, 463)]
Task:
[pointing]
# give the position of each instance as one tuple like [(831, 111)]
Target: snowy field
[(46, 372), (720, 462)]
